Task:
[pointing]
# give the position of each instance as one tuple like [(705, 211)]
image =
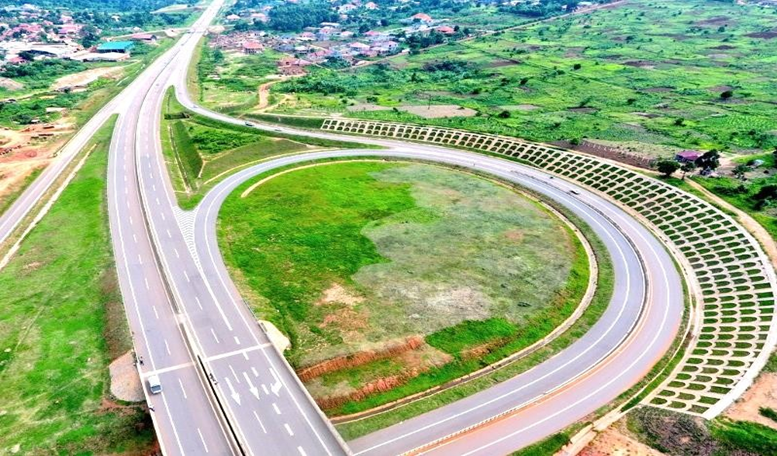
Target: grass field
[(649, 76), (414, 250), (61, 324)]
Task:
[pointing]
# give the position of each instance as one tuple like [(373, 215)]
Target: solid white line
[(203, 440), (238, 352), (182, 389), (288, 429), (234, 374), (260, 422)]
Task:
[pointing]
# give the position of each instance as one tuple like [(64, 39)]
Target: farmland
[(649, 76), (343, 286)]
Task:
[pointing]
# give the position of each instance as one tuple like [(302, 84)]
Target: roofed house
[(422, 18), (688, 156), (146, 37), (115, 46), (252, 47), (446, 30)]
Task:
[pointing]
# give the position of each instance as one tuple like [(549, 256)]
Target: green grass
[(768, 412), (598, 305), (62, 323), (285, 230), (746, 436)]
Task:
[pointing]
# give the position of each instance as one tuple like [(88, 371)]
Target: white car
[(154, 385)]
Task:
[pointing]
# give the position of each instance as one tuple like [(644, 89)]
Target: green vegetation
[(62, 324), (547, 447), (199, 150), (649, 79), (768, 412), (771, 363), (746, 436), (371, 255), (230, 82), (598, 305)]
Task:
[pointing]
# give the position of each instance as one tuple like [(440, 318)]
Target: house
[(445, 30), (306, 36), (252, 47), (69, 29), (688, 156), (372, 35), (115, 47), (359, 48), (422, 18), (371, 6), (233, 18), (145, 37)]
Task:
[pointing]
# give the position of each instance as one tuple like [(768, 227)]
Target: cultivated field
[(386, 274), (649, 77)]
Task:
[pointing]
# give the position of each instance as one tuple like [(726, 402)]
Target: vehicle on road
[(248, 124), (154, 384)]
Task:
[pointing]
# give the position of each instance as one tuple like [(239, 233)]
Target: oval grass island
[(391, 278)]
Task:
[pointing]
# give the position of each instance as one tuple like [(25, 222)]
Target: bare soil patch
[(499, 63), (125, 382), (614, 442), (337, 293), (87, 77), (646, 64), (10, 84), (438, 111), (367, 107), (764, 35), (763, 393)]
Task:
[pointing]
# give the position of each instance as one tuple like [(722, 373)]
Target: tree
[(709, 161), (687, 167), (667, 167), (740, 170)]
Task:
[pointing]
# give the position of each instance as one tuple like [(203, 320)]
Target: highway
[(191, 327)]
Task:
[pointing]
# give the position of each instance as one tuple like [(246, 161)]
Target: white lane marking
[(153, 187), (177, 255), (203, 440), (140, 259), (260, 422), (232, 391), (276, 387), (214, 335), (237, 341), (254, 390), (146, 280), (288, 429), (245, 356), (167, 347), (238, 352), (134, 238), (198, 302), (169, 234), (253, 369), (158, 203), (275, 407), (156, 314), (301, 451), (233, 373), (183, 390), (187, 276), (266, 391), (126, 192), (130, 219), (163, 216), (166, 369)]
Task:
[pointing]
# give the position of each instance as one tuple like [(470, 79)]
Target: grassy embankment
[(199, 151), (62, 324), (348, 268), (649, 76)]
